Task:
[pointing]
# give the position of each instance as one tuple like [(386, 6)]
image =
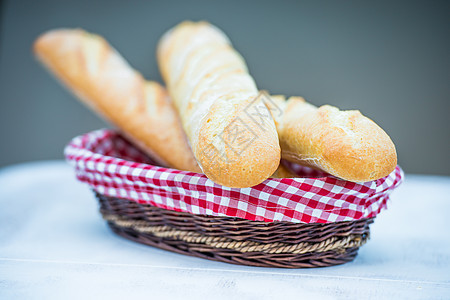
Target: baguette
[(345, 144), (105, 82), (213, 93)]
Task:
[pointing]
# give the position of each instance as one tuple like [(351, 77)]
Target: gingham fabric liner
[(113, 167)]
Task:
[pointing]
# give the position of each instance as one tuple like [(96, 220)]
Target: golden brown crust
[(238, 164), (211, 88), (345, 144), (283, 172), (104, 81)]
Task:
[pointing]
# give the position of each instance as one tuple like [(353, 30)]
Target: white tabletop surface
[(54, 244)]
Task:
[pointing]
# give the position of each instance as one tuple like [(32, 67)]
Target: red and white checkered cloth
[(113, 167)]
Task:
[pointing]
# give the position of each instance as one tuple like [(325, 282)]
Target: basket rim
[(102, 171)]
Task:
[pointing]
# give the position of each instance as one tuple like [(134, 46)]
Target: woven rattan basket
[(230, 239), (236, 241)]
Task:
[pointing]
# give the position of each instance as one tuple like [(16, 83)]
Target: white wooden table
[(54, 244)]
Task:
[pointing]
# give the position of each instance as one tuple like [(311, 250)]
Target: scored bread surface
[(345, 144), (213, 92), (104, 81), (212, 88)]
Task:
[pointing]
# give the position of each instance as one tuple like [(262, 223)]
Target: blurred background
[(389, 59)]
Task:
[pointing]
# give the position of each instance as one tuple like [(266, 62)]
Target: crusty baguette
[(213, 92), (345, 144), (104, 81)]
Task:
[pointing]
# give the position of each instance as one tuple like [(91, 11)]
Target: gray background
[(389, 59)]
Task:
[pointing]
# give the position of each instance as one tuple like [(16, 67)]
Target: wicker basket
[(112, 167), (236, 241)]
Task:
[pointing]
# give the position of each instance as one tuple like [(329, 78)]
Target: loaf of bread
[(217, 101), (345, 144), (103, 80)]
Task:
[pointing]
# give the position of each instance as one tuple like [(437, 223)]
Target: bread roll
[(215, 97), (104, 81), (345, 144)]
